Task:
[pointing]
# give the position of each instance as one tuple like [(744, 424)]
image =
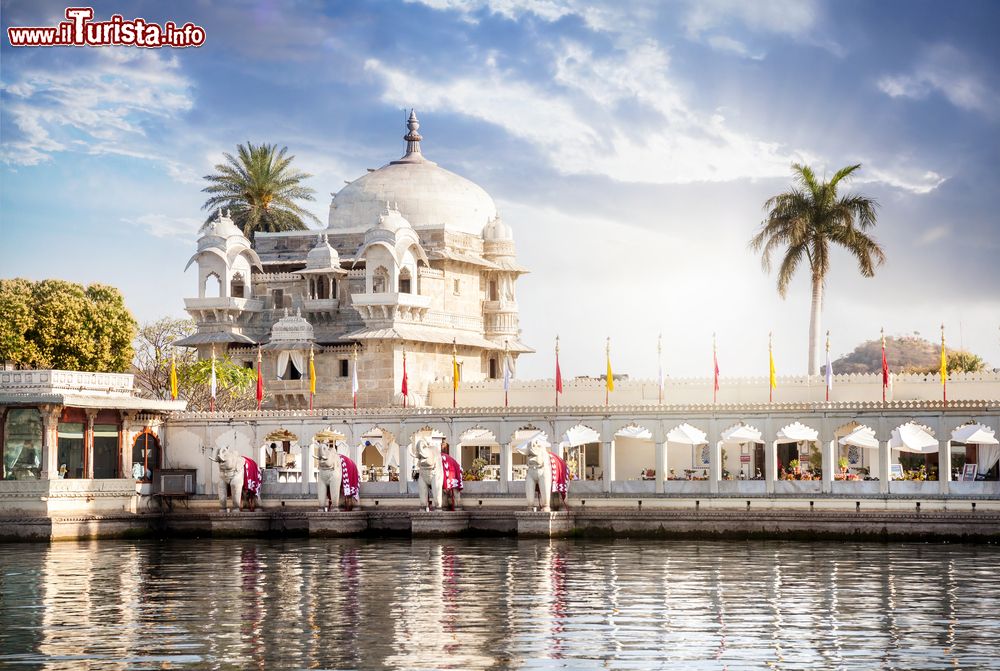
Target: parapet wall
[(854, 388)]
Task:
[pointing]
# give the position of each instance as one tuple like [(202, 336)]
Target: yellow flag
[(312, 373), (173, 378), (944, 364), (454, 372), (774, 380), (611, 376)]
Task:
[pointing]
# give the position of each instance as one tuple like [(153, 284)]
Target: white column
[(608, 465), (884, 457), (308, 456), (404, 467), (829, 463), (661, 466), (770, 465), (506, 470), (944, 466), (50, 441), (714, 466)]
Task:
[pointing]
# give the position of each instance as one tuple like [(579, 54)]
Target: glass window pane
[(70, 450), (105, 451), (22, 448)]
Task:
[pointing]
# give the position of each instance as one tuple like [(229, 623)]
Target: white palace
[(415, 258), (416, 262)]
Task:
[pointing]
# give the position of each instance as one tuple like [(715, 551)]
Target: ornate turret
[(413, 138)]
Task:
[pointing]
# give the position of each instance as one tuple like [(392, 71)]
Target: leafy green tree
[(261, 190), (154, 351), (806, 221), (59, 324)]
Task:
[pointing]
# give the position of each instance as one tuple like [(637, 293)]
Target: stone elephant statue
[(439, 476), (337, 476), (547, 475), (239, 475)]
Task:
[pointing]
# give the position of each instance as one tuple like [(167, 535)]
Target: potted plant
[(794, 465), (842, 463)]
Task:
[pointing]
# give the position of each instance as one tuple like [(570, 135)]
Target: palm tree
[(805, 221), (260, 189)]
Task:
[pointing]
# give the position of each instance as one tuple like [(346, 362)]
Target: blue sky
[(629, 145)]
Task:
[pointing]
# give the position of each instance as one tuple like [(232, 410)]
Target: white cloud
[(933, 235), (163, 226), (100, 106), (942, 69), (580, 120), (796, 18), (915, 181)]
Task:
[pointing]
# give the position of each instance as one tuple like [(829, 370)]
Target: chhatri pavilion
[(415, 259)]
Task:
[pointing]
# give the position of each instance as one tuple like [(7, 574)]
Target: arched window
[(22, 444), (404, 281), (237, 287), (494, 294), (145, 455), (213, 286), (380, 280), (493, 368)]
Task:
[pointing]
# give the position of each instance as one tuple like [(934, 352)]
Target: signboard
[(744, 458), (969, 472), (895, 471)]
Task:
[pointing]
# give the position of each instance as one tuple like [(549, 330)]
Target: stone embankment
[(935, 519)]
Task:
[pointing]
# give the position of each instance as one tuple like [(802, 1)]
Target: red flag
[(405, 387), (559, 387), (260, 381), (885, 370)]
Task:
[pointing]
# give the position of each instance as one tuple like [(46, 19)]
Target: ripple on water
[(498, 603)]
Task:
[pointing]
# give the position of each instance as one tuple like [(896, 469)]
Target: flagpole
[(260, 380), (405, 388), (354, 381), (607, 383), (770, 372), (659, 364), (211, 401), (454, 374), (558, 373), (829, 371), (506, 376), (944, 369), (715, 372), (884, 368), (312, 380)]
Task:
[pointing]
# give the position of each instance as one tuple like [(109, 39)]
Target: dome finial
[(413, 137)]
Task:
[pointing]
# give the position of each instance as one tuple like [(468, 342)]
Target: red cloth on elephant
[(251, 476), (452, 473), (349, 478), (560, 475)]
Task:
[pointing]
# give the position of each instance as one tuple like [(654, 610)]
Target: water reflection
[(498, 603)]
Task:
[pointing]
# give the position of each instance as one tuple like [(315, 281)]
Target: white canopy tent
[(740, 433), (985, 438), (521, 441), (797, 432), (685, 434), (912, 437), (635, 432), (579, 435), (861, 436)]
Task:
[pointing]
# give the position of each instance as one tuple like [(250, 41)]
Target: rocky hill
[(905, 354)]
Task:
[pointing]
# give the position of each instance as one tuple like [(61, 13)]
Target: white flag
[(212, 384), (354, 379), (829, 371)]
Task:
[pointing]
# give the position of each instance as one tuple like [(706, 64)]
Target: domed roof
[(218, 231), (497, 230), (322, 256), (427, 195)]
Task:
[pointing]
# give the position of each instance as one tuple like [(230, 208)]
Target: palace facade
[(415, 259)]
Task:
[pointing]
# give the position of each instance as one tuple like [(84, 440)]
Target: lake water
[(498, 603)]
